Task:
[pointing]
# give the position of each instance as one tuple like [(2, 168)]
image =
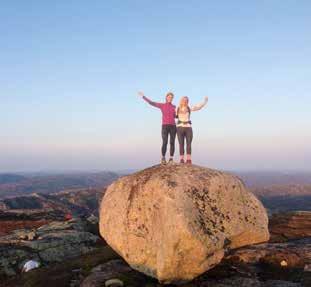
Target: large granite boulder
[(175, 222)]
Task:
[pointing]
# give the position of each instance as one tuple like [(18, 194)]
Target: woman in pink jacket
[(168, 123)]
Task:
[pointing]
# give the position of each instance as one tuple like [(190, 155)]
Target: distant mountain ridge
[(81, 202), (6, 178), (279, 191), (265, 178), (16, 185)]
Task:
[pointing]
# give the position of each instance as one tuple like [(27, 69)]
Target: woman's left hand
[(205, 99)]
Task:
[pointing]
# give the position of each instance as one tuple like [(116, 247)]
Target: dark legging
[(168, 130), (182, 134)]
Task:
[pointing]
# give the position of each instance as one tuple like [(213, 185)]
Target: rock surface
[(113, 269), (290, 225), (52, 242), (256, 265), (291, 254), (175, 222)]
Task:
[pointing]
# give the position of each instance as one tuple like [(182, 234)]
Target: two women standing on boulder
[(183, 129)]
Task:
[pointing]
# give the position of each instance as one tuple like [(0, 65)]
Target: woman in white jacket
[(184, 127)]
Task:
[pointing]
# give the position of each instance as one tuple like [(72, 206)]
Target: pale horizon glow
[(70, 73)]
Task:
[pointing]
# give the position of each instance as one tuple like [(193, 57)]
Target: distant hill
[(10, 178), (280, 191), (80, 202), (289, 190), (54, 183), (290, 197), (262, 179)]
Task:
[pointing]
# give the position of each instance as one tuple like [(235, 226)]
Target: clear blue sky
[(70, 72)]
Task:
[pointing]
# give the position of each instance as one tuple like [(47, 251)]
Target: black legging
[(168, 130), (182, 133)]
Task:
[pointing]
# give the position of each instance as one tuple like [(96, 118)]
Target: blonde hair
[(181, 102)]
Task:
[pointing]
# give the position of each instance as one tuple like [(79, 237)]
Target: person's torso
[(183, 117), (168, 114)]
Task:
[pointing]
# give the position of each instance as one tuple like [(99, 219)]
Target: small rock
[(307, 268), (31, 235), (283, 263), (114, 283), (93, 219), (76, 270)]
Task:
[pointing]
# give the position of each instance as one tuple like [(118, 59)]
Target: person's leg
[(189, 137), (181, 141), (172, 132), (164, 141)]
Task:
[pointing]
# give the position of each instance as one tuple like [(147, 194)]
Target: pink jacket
[(167, 109)]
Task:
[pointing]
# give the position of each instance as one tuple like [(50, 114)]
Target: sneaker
[(182, 161), (189, 161), (163, 161), (170, 161)]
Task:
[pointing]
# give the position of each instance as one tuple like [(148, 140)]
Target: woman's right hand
[(141, 94)]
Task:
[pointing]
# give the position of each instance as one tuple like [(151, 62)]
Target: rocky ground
[(273, 264), (290, 225), (55, 241), (264, 265)]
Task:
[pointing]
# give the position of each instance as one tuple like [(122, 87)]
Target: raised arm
[(157, 105), (199, 106)]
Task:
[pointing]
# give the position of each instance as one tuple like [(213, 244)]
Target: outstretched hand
[(141, 94)]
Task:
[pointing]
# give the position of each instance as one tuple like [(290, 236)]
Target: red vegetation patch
[(7, 226)]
